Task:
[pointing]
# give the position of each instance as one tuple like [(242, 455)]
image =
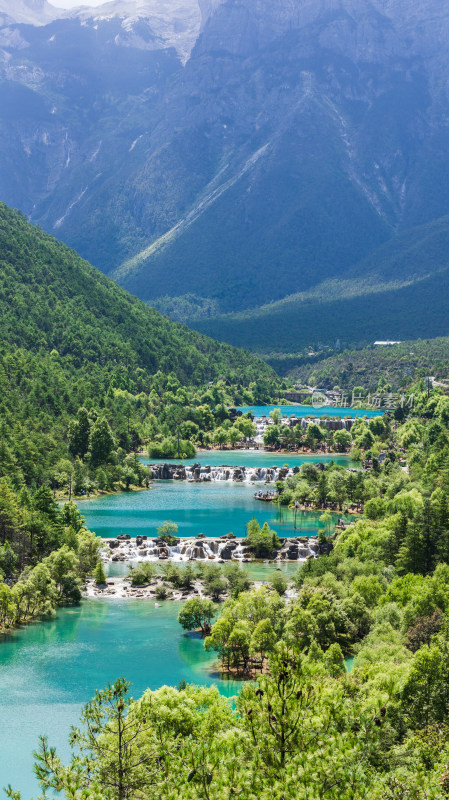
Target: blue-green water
[(50, 669), (254, 458), (257, 570), (210, 508), (310, 411)]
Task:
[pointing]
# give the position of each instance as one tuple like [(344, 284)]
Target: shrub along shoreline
[(46, 553)]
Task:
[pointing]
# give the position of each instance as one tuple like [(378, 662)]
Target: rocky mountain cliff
[(238, 151)]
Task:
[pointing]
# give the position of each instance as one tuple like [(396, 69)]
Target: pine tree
[(101, 442), (412, 554), (99, 574), (334, 661), (428, 533), (397, 537), (79, 434)]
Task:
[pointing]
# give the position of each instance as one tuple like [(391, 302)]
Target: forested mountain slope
[(50, 299), (399, 292), (71, 339), (417, 310), (396, 365)]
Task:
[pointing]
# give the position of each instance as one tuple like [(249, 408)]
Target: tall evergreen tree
[(101, 442)]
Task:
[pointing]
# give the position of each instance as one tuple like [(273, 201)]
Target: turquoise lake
[(50, 669), (258, 570), (253, 458), (210, 508), (310, 411)]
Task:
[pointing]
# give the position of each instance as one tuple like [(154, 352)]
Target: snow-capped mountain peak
[(29, 12), (174, 23)]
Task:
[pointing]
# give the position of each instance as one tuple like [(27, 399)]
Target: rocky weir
[(198, 473), (202, 548)]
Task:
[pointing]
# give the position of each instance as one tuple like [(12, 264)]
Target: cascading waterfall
[(227, 548), (200, 474)]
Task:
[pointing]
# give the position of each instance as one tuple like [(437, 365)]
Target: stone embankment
[(202, 548), (120, 588)]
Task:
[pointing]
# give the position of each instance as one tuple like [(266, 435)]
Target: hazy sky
[(76, 3)]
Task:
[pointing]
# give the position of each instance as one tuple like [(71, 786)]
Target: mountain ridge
[(177, 23), (294, 141)]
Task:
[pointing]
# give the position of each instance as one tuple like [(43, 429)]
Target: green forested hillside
[(412, 254), (88, 375), (396, 365), (392, 312), (385, 296), (50, 298), (82, 361)]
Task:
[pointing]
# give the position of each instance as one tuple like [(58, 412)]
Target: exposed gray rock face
[(207, 8), (227, 551), (349, 27), (174, 23)]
